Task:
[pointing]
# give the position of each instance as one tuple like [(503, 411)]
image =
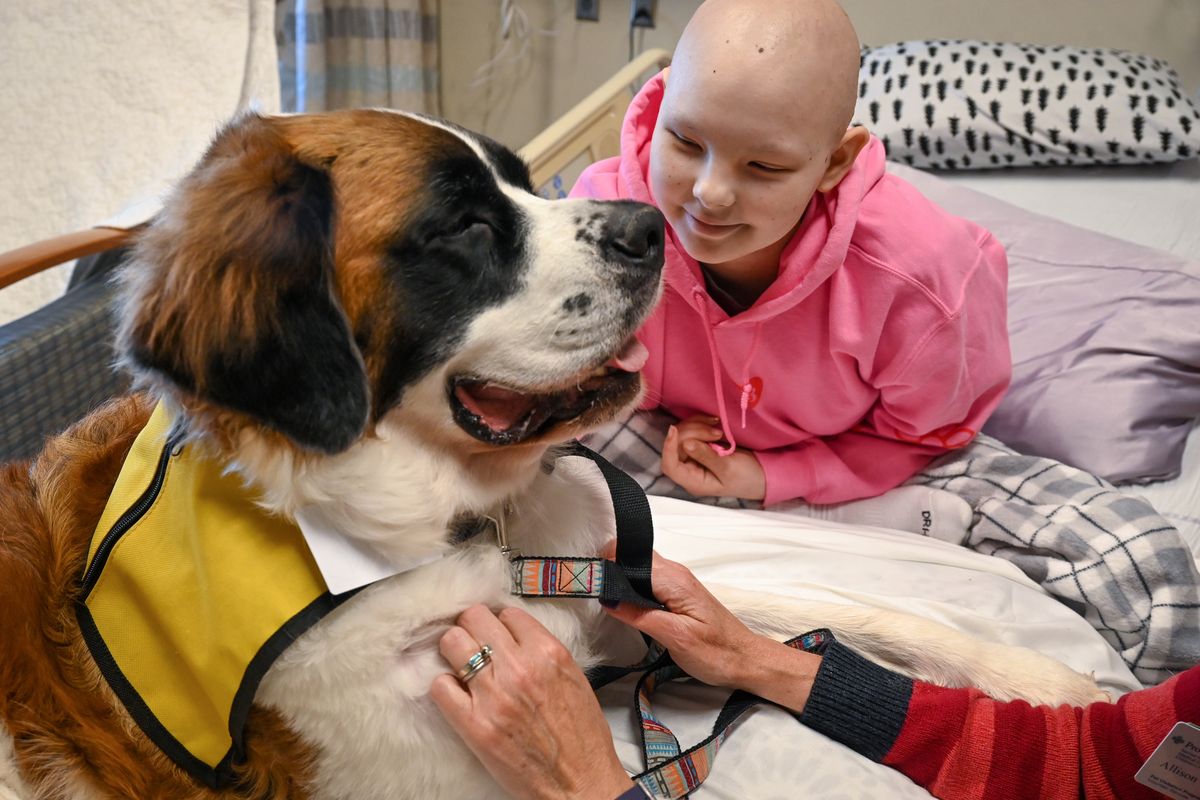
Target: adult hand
[(714, 646), (529, 715), (689, 459)]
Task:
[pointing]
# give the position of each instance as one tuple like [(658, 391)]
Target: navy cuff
[(632, 793), (857, 702)]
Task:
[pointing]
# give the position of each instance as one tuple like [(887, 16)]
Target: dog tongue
[(498, 407), (633, 356)]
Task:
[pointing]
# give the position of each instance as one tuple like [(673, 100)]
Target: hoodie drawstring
[(748, 390), (701, 298), (747, 385)]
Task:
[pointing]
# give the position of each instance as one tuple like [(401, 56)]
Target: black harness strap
[(630, 581)]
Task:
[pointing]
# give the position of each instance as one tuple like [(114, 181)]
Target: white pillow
[(983, 105)]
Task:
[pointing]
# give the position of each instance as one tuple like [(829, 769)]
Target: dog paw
[(1074, 689), (1017, 673)]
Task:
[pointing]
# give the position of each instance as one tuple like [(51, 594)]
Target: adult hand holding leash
[(528, 713), (714, 646), (530, 716)]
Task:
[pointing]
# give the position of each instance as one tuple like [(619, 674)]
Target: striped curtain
[(352, 53)]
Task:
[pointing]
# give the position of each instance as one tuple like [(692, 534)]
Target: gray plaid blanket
[(1106, 554)]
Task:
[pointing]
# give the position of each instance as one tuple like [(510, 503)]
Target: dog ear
[(230, 295)]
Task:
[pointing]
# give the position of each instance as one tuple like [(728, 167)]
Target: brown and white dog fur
[(368, 314)]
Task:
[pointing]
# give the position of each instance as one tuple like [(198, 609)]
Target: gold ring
[(475, 663)]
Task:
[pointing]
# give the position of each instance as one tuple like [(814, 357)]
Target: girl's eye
[(684, 141), (761, 167)]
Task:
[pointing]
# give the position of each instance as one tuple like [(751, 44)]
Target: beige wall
[(565, 58)]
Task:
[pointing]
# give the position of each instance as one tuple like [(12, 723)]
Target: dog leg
[(921, 648)]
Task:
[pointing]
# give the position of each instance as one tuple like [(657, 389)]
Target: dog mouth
[(499, 414)]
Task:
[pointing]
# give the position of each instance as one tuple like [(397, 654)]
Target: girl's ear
[(853, 141)]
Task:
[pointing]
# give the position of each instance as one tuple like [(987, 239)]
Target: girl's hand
[(689, 459)]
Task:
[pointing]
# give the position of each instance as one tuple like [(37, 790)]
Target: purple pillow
[(1105, 340)]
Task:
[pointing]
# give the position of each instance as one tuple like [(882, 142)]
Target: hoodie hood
[(816, 250), (884, 328)]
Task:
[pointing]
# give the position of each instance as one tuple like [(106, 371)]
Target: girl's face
[(732, 171)]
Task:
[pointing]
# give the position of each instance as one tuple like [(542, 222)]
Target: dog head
[(316, 275)]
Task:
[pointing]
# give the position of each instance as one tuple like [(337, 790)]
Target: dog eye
[(468, 226)]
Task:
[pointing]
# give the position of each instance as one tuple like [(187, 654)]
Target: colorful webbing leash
[(671, 772), (626, 580), (674, 773)]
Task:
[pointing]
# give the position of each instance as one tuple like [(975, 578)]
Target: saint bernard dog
[(354, 334)]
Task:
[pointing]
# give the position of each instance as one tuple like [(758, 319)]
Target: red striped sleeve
[(1110, 757), (1017, 768), (1064, 757), (961, 776), (935, 720), (1149, 719), (962, 745)]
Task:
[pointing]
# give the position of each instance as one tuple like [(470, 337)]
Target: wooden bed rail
[(593, 126), (33, 258)]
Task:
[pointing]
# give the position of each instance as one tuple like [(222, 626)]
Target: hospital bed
[(1156, 206), (790, 554)]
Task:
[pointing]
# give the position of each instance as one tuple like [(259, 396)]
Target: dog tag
[(1174, 766)]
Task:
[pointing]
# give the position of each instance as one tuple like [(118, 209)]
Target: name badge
[(1174, 766)]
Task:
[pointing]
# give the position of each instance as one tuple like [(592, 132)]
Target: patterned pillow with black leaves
[(984, 105)]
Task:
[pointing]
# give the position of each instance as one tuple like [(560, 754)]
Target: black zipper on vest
[(127, 520)]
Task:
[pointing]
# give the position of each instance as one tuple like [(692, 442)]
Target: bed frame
[(592, 129)]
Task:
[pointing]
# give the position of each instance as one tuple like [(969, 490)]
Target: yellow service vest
[(191, 592)]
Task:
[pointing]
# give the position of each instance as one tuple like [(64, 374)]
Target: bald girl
[(798, 58), (754, 122)]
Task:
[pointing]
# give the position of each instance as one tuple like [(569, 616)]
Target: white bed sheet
[(771, 755), (1156, 205)]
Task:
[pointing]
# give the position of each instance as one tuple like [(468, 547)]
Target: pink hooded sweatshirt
[(882, 343)]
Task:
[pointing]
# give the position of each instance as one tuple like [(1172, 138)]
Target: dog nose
[(633, 235)]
